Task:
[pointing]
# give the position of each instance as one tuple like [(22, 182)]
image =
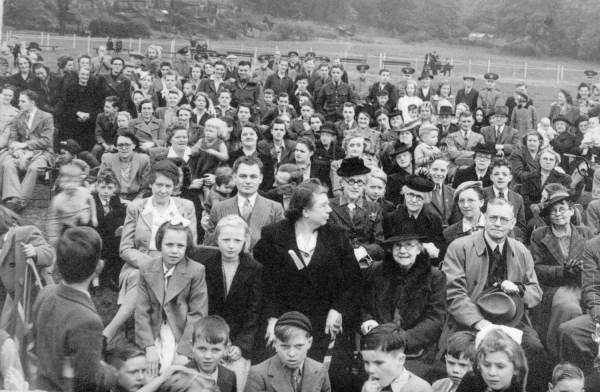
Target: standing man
[(425, 92), (311, 73), (274, 62), (384, 84), (468, 95), (347, 123), (30, 150), (442, 197), (334, 95), (231, 72), (244, 90), (117, 84), (101, 64), (263, 71), (279, 82), (183, 64), (489, 97), (322, 79), (407, 74), (445, 125), (338, 61), (460, 144), (294, 65), (590, 75), (505, 138), (362, 89)]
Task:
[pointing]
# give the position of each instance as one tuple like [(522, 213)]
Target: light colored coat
[(272, 376)]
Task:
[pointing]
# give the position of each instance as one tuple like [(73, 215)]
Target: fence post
[(42, 40), (380, 60), (562, 73), (558, 75), (48, 39), (130, 43), (489, 65), (417, 64), (515, 70), (140, 45), (469, 67), (525, 71), (89, 43), (256, 54), (73, 41)]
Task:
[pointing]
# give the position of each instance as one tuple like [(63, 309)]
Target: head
[(78, 255), (364, 120), (567, 377), (444, 89), (147, 109), (405, 252), (438, 169), (383, 355), (130, 361), (24, 63), (244, 113), (146, 80), (466, 121), (248, 175), (593, 122), (214, 128), (501, 361), (287, 177), (163, 180), (410, 88), (84, 61), (70, 177), (461, 355), (107, 184), (561, 213), (376, 183), (500, 219), (283, 66), (127, 143), (41, 71), (283, 101), (184, 113), (225, 98), (429, 134), (490, 83), (348, 111), (336, 73), (470, 200), (415, 200), (479, 115), (233, 237), (353, 186), (224, 180), (201, 100), (177, 136), (117, 64), (209, 342), (533, 140), (383, 97), (425, 110), (316, 122), (548, 159), (173, 239), (564, 97), (305, 148), (384, 75), (309, 202), (354, 145), (293, 338), (405, 160), (112, 105), (28, 100), (382, 118), (482, 161), (8, 93), (501, 173), (84, 76)]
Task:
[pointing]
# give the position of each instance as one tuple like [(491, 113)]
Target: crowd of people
[(285, 228)]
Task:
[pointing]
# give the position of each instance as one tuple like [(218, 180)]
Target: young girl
[(171, 298), (210, 149), (234, 283)]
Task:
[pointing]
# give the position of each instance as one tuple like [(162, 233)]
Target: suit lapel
[(135, 164), (146, 218), (7, 246), (280, 376), (156, 279), (259, 215), (576, 244), (178, 281), (241, 275), (551, 243), (36, 120), (342, 212), (310, 377)]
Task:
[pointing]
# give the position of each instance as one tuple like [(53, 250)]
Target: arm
[(516, 162), (162, 135), (263, 253), (45, 140), (453, 152), (498, 100), (549, 275), (514, 143), (533, 292), (45, 253), (144, 336), (479, 101), (128, 252), (99, 131), (197, 308), (590, 287), (593, 216), (209, 236), (245, 339), (222, 154), (420, 158)]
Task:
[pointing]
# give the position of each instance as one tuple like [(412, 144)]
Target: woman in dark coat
[(405, 289), (80, 111), (567, 141), (525, 160)]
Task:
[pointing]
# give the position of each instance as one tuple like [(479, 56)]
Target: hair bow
[(513, 333), (180, 220)]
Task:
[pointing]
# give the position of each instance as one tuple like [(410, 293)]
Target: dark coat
[(279, 85), (523, 163), (425, 98), (51, 99), (268, 170), (533, 187), (226, 380), (21, 84), (326, 156), (250, 94), (416, 299), (208, 86), (393, 191), (469, 99), (389, 87), (445, 209), (509, 138), (118, 86), (511, 104), (473, 382), (566, 143), (442, 135), (106, 131), (572, 114), (242, 307), (470, 174), (331, 100)]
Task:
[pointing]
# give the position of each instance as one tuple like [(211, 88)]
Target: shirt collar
[(560, 234), (149, 207), (480, 223), (242, 200), (492, 244), (186, 154), (344, 201), (496, 191), (168, 271)]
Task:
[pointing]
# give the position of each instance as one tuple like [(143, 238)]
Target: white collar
[(242, 200), (400, 381), (493, 243), (149, 207), (496, 191), (467, 226), (168, 271), (186, 153)]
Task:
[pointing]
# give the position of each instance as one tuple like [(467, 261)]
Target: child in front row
[(460, 359), (567, 377), (425, 151)]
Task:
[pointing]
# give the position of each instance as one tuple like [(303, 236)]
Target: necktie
[(437, 194), (498, 132), (501, 195), (296, 380), (387, 389), (335, 84), (247, 210), (27, 117), (351, 208), (348, 125), (495, 266)]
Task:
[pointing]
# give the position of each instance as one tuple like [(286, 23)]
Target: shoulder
[(137, 204), (142, 157), (416, 383), (518, 247), (194, 268), (585, 231), (108, 158)]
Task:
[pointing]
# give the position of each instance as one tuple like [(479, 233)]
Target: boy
[(375, 190), (460, 359), (290, 368), (383, 355), (425, 151), (567, 378), (224, 185), (169, 82), (209, 345), (225, 108), (67, 330)]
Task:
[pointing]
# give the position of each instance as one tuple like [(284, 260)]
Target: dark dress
[(81, 99), (108, 223)]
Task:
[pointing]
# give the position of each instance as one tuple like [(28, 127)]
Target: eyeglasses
[(467, 201), (124, 146), (352, 182), (483, 158), (494, 219), (560, 211), (412, 196), (406, 245)]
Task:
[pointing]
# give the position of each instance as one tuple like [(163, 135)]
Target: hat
[(469, 77), (408, 71), (589, 73), (395, 113), (467, 185), (522, 94), (500, 308), (556, 198), (231, 57), (400, 149), (184, 50), (500, 111), (491, 76), (362, 67), (352, 167), (562, 118), (34, 45), (425, 75), (383, 93), (418, 183), (264, 57), (325, 59), (136, 54), (292, 53), (409, 126), (294, 319), (201, 56), (485, 148), (328, 127), (445, 110), (63, 60), (310, 54), (425, 128), (406, 237)]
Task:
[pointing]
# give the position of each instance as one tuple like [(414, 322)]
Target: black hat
[(293, 53), (500, 111), (408, 71), (201, 56), (445, 110), (328, 127), (562, 118), (166, 166), (352, 167), (418, 183), (310, 54), (184, 50), (499, 307), (402, 148), (590, 73), (485, 148), (491, 76), (34, 45), (295, 319), (264, 57), (469, 77), (522, 94), (406, 237), (325, 59), (382, 93), (557, 197), (395, 113), (425, 75), (362, 67)]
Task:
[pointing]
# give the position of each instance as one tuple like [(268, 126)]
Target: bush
[(118, 29)]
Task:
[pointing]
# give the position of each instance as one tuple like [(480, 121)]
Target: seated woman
[(443, 97), (327, 149), (354, 144), (311, 168), (138, 246), (403, 136), (470, 199), (525, 160), (184, 119), (204, 108), (365, 131), (250, 138), (556, 252), (403, 166), (150, 130), (131, 167), (537, 221), (277, 143), (567, 141), (407, 290)]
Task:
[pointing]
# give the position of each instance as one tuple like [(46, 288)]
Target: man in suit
[(231, 71), (274, 62), (101, 64), (67, 329), (312, 74), (489, 97), (30, 148), (322, 79), (334, 95), (214, 85), (460, 144), (347, 123), (106, 128), (384, 84), (279, 82), (115, 83), (442, 197), (475, 263), (283, 106), (263, 71), (468, 95), (425, 91), (256, 210), (505, 138)]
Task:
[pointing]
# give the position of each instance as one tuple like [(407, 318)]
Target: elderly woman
[(567, 141), (138, 246), (407, 290), (391, 134), (131, 167), (150, 130), (354, 144), (584, 100), (443, 97), (556, 252), (564, 107), (525, 160)]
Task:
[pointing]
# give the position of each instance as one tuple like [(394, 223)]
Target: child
[(545, 129), (293, 339), (383, 355), (234, 281), (71, 154), (413, 112), (567, 377), (224, 108), (171, 298), (224, 185), (231, 141), (592, 137), (209, 345), (74, 205), (269, 95), (210, 149), (460, 359), (375, 190), (425, 151)]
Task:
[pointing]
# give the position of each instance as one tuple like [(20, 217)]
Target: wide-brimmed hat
[(485, 148), (406, 237), (402, 148), (499, 307), (557, 197), (500, 111), (352, 167), (409, 126), (562, 118), (425, 75), (418, 183), (34, 45), (395, 113)]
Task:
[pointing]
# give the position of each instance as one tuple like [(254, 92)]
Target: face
[(293, 352), (306, 112), (25, 104), (106, 191), (469, 203), (196, 73), (269, 98), (561, 97), (497, 370), (405, 137), (318, 214), (249, 137), (309, 65), (468, 83), (457, 368), (209, 69), (375, 188), (501, 177), (353, 192), (146, 82), (584, 126), (70, 65), (445, 90), (355, 147), (278, 132), (326, 138), (170, 81), (445, 120), (382, 99), (414, 200), (547, 161), (315, 123), (482, 161), (162, 188), (208, 355), (404, 160), (383, 367), (561, 213), (500, 120), (396, 122), (363, 121), (384, 77), (109, 109), (179, 139), (438, 171), (430, 138), (414, 112), (147, 110), (348, 113), (243, 114), (152, 53), (425, 82), (283, 66), (173, 247), (283, 102), (302, 154), (41, 73), (125, 147), (499, 221), (226, 188), (324, 71), (23, 65), (592, 123), (164, 70), (466, 123), (117, 66), (84, 75), (184, 115), (247, 180), (302, 84), (138, 98), (200, 102), (231, 241), (567, 385), (533, 143), (336, 74), (130, 377), (490, 83), (405, 253), (560, 126), (7, 96)]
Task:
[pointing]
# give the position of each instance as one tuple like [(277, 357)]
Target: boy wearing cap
[(231, 71), (290, 369), (468, 95), (489, 97)]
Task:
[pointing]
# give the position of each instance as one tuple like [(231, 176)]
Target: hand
[(18, 146), (153, 361), (509, 287), (181, 360), (29, 250), (196, 184), (360, 253), (333, 324), (234, 353), (205, 221), (367, 326), (482, 324), (83, 116), (499, 147), (95, 222), (270, 335), (431, 249), (105, 146), (209, 179), (371, 386), (14, 380), (146, 146)]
